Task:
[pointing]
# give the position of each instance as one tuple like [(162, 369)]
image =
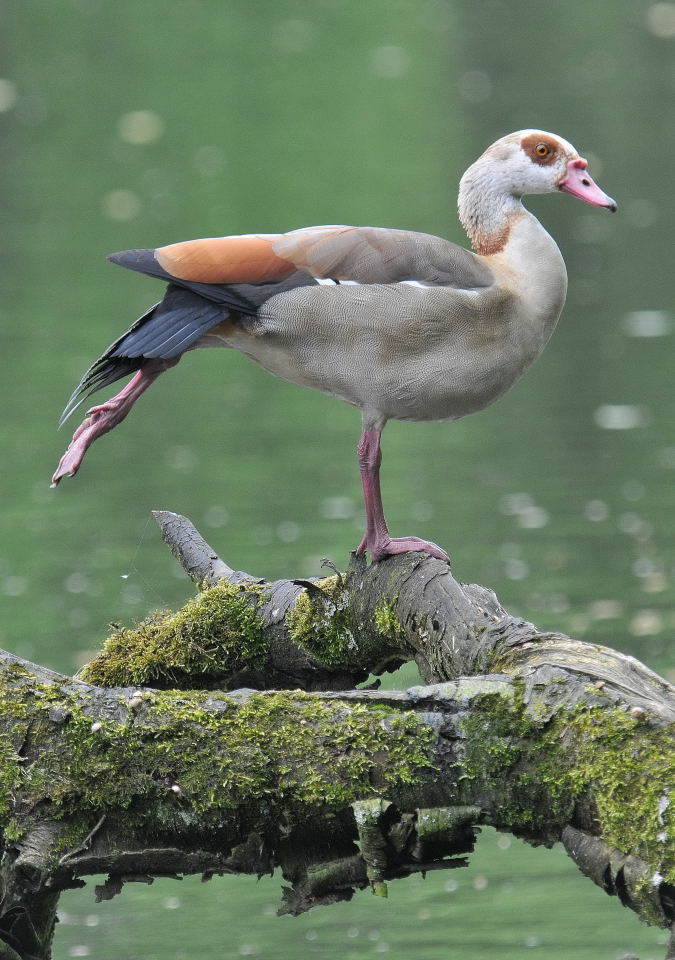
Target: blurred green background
[(137, 124)]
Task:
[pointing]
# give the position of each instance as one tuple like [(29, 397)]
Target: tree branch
[(535, 733)]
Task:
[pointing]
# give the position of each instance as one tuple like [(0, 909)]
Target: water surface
[(137, 126)]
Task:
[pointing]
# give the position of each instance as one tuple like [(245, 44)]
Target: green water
[(267, 116), (511, 902)]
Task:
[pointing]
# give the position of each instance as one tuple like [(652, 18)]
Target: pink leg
[(376, 539), (105, 416)]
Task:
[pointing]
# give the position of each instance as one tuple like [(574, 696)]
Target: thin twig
[(86, 843)]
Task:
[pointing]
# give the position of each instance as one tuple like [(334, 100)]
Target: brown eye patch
[(540, 149)]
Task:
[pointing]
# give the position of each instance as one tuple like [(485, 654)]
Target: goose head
[(534, 161), (525, 162)]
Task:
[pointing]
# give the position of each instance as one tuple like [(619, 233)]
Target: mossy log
[(171, 753)]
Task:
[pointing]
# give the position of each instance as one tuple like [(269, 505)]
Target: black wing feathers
[(99, 375), (242, 298), (169, 328), (144, 261)]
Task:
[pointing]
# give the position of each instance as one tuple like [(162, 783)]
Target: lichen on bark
[(600, 767), (329, 620), (567, 741), (197, 755)]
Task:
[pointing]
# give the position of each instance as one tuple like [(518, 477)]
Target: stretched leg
[(376, 539), (105, 416)]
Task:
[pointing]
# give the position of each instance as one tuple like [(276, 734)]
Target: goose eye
[(542, 150)]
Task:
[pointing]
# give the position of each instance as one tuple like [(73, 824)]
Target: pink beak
[(578, 184)]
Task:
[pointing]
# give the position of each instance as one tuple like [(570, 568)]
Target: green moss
[(320, 622), (294, 752), (10, 776), (71, 837), (13, 831), (622, 765), (187, 756), (628, 766), (386, 620), (498, 735), (327, 621), (220, 632), (324, 752), (14, 712), (217, 633)]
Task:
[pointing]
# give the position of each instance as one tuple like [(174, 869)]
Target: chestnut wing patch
[(242, 259), (238, 298), (188, 310)]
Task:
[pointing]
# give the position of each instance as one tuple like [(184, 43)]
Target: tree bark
[(232, 734)]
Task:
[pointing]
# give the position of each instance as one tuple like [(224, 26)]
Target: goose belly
[(439, 385), (417, 364)]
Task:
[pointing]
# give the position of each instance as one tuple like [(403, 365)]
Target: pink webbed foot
[(109, 406), (99, 420), (389, 546), (104, 416)]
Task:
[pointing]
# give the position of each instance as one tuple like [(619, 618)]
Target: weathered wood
[(535, 733), (200, 562), (449, 628)]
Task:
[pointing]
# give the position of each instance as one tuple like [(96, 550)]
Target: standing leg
[(376, 539), (105, 416)]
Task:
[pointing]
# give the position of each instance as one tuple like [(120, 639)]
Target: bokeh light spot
[(620, 416), (140, 127), (121, 205), (8, 95), (390, 62), (660, 19), (475, 86)]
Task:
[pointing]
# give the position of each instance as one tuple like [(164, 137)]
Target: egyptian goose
[(402, 325)]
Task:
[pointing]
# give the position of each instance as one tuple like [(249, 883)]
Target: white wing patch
[(356, 283)]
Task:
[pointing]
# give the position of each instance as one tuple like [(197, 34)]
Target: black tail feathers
[(101, 374)]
